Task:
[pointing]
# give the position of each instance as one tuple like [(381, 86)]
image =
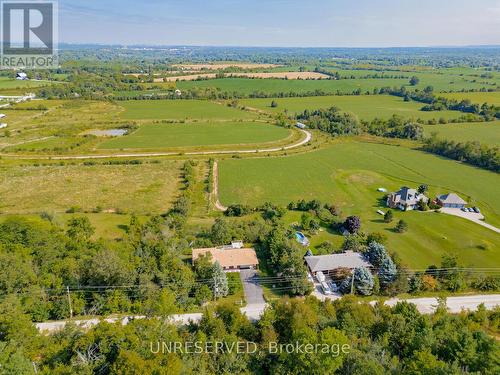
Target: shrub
[(401, 227)]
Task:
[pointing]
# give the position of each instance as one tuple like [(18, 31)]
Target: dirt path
[(308, 137), (217, 203)]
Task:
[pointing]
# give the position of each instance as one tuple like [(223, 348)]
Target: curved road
[(138, 155)]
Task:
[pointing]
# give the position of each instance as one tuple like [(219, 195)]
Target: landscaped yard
[(348, 175), (365, 107), (198, 134)]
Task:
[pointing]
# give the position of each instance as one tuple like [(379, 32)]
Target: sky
[(284, 23)]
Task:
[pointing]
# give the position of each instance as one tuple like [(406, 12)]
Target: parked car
[(476, 210), (334, 287), (326, 289), (464, 209)]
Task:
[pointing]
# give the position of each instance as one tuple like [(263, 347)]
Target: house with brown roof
[(230, 257)]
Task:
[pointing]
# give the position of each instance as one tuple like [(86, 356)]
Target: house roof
[(229, 257), (451, 198), (348, 259), (407, 195)]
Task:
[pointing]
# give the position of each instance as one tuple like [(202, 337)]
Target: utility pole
[(69, 303), (215, 288)]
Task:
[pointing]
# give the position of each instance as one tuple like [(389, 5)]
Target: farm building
[(450, 200), (230, 257), (3, 115), (327, 264), (301, 125), (405, 199), (21, 76)]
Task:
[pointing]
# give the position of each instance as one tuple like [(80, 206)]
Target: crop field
[(248, 86), (348, 175), (262, 75), (224, 65), (198, 134), (180, 110), (476, 97), (365, 107), (110, 187), (484, 132)]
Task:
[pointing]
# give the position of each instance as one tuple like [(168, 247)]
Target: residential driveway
[(253, 291), (472, 216)]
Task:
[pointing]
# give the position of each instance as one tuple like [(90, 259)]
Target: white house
[(3, 115), (3, 126), (21, 76)]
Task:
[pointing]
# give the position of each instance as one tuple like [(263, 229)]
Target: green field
[(348, 175), (7, 83), (476, 97), (365, 106), (32, 189), (198, 134), (483, 132), (180, 110), (248, 86)]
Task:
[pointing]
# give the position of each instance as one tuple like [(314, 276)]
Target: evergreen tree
[(220, 285)]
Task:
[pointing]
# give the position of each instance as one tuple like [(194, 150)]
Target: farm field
[(366, 107), (180, 110), (110, 187), (248, 86), (476, 97), (262, 75), (197, 134), (224, 65), (484, 132), (348, 174)]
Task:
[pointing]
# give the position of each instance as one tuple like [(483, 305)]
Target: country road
[(308, 137), (254, 311)]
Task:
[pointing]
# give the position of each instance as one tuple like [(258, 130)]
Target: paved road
[(472, 216), (254, 311), (253, 291), (308, 137), (454, 304)]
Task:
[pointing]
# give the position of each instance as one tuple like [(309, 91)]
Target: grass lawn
[(476, 97), (365, 107), (348, 174), (483, 132), (10, 83), (145, 188), (197, 134), (180, 110)]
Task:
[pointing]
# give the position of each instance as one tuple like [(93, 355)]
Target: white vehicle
[(321, 278), (326, 288)]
